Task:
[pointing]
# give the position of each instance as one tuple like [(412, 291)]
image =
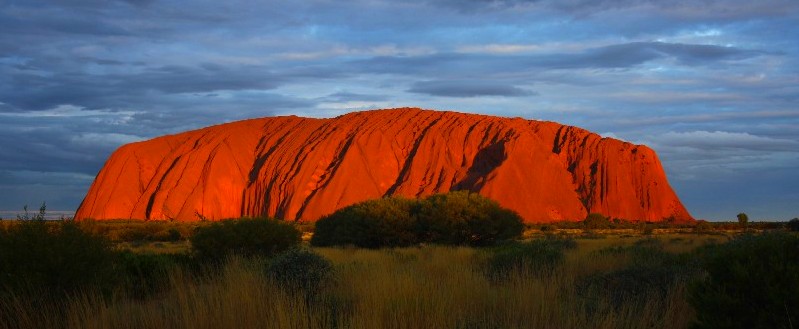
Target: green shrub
[(752, 282), (386, 222), (648, 229), (537, 256), (244, 237), (301, 271), (54, 257), (793, 225), (144, 273), (743, 220), (170, 235), (465, 218), (453, 218), (702, 226), (596, 221)]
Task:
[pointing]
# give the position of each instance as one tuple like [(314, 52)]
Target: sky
[(712, 85)]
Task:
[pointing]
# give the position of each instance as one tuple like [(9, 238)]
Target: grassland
[(624, 277), (418, 287)]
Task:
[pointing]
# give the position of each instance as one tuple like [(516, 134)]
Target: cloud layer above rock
[(712, 85)]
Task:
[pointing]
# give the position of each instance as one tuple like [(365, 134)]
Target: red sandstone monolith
[(301, 169)]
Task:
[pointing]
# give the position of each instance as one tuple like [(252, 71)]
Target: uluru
[(297, 168)]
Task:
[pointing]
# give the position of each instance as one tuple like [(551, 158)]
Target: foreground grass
[(425, 287)]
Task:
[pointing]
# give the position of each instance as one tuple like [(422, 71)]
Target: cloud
[(636, 53), (584, 9), (709, 84), (473, 88), (625, 55), (715, 140), (103, 140), (345, 96), (722, 156)]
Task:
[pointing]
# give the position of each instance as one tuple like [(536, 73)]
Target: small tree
[(39, 216), (743, 219)]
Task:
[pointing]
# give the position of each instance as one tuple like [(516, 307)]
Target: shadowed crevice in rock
[(486, 160), (406, 167), (151, 201)]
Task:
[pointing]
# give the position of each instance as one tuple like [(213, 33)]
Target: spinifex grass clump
[(301, 271), (651, 272), (145, 273), (456, 218), (244, 237), (537, 257)]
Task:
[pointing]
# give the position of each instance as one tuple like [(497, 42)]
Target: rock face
[(301, 169)]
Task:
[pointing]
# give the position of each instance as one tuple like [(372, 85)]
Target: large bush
[(752, 282), (54, 257), (377, 223), (453, 218), (465, 218), (244, 237)]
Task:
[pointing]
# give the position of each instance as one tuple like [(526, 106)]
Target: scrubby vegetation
[(301, 271), (537, 257), (751, 282), (793, 224), (244, 237), (464, 218), (53, 257), (256, 273), (597, 221), (387, 222), (455, 218)]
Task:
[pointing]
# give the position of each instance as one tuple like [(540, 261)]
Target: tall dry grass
[(427, 287)]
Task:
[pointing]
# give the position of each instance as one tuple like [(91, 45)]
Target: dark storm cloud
[(467, 89)]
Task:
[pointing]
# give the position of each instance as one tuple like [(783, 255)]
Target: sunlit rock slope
[(303, 168)]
